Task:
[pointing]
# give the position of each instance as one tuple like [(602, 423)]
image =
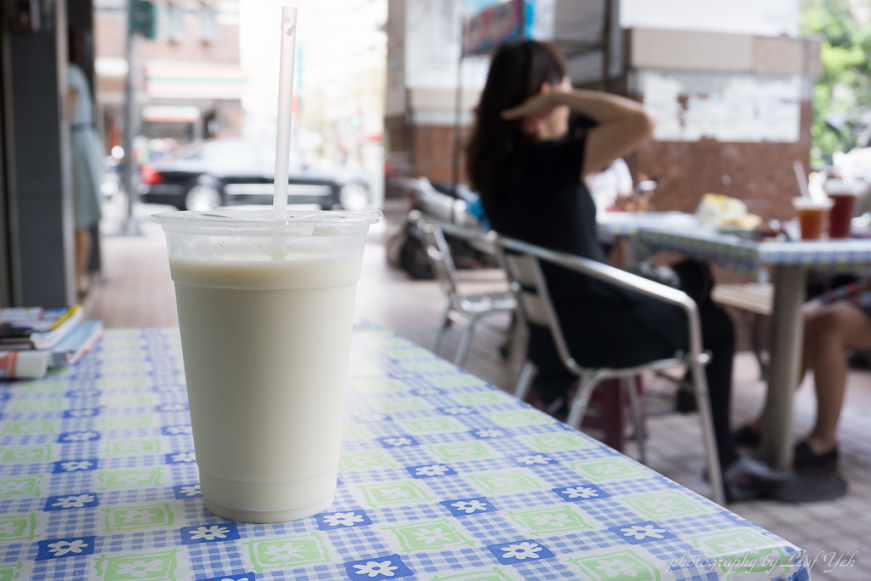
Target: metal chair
[(463, 310), (526, 281)]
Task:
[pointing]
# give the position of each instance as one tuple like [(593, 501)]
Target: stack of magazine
[(34, 339)]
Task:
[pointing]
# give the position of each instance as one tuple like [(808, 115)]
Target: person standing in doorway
[(85, 148)]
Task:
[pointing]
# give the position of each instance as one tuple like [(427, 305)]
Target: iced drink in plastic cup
[(266, 308), (841, 214), (811, 217)]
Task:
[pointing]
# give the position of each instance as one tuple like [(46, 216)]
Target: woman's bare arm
[(622, 123), (72, 100)]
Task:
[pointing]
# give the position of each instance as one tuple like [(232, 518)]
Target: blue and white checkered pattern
[(442, 475), (748, 256)]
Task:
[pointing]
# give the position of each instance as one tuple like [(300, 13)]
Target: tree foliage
[(842, 96)]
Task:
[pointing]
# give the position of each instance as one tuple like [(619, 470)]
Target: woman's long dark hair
[(517, 72)]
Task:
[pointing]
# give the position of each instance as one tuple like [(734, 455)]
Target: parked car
[(236, 171)]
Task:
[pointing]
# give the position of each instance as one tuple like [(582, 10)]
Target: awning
[(194, 81)]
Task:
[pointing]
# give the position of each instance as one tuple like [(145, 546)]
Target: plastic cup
[(811, 217), (265, 308), (841, 214)]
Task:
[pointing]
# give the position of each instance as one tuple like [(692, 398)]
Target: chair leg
[(631, 387), (440, 330), (700, 384), (524, 380), (582, 399), (505, 347), (465, 341)]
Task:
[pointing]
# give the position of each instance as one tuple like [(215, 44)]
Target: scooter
[(406, 249)]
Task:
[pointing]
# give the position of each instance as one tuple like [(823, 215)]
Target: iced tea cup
[(841, 214), (811, 217), (265, 309)]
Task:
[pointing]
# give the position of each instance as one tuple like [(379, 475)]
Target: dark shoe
[(685, 402), (806, 458), (759, 490), (746, 437)]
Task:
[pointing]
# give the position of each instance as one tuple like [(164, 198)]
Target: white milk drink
[(266, 309)]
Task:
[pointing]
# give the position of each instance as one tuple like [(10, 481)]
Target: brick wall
[(432, 150), (433, 153), (760, 173)]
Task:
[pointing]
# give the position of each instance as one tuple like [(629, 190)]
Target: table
[(790, 262), (443, 477)]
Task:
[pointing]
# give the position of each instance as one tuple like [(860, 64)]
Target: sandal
[(746, 437), (805, 457)]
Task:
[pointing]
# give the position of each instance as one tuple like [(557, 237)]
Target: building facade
[(188, 82)]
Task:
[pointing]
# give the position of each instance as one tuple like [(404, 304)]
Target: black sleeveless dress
[(546, 203)]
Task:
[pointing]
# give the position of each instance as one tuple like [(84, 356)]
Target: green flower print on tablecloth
[(429, 536), (364, 460), (20, 454), (405, 404), (431, 426), (461, 451), (141, 567), (17, 527), (557, 442), (550, 520), (287, 552), (742, 551), (393, 493), (625, 565), (665, 504), (20, 485), (132, 517), (132, 447), (29, 428), (37, 405), (133, 478), (505, 481), (126, 422)]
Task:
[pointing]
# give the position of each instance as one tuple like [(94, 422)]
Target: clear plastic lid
[(259, 221)]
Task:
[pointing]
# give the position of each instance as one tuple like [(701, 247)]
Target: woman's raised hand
[(536, 107)]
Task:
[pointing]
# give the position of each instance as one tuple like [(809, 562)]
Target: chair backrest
[(529, 288), (439, 254)]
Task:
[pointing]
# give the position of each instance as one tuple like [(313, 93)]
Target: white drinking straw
[(801, 177), (285, 105)]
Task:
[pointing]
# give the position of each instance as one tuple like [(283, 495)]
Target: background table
[(442, 478), (790, 262)]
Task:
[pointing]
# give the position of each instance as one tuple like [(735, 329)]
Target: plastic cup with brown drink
[(843, 198), (812, 216)]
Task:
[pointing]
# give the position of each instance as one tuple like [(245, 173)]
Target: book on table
[(76, 343), (36, 327), (32, 340)]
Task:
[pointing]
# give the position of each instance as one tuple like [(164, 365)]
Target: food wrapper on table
[(719, 211)]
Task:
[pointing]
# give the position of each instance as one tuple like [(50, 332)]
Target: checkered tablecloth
[(748, 256), (442, 478)]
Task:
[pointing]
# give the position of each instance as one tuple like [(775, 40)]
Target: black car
[(226, 172)]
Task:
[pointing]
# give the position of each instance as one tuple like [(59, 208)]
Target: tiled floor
[(137, 291)]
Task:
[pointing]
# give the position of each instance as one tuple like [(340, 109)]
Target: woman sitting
[(530, 174), (838, 320)]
